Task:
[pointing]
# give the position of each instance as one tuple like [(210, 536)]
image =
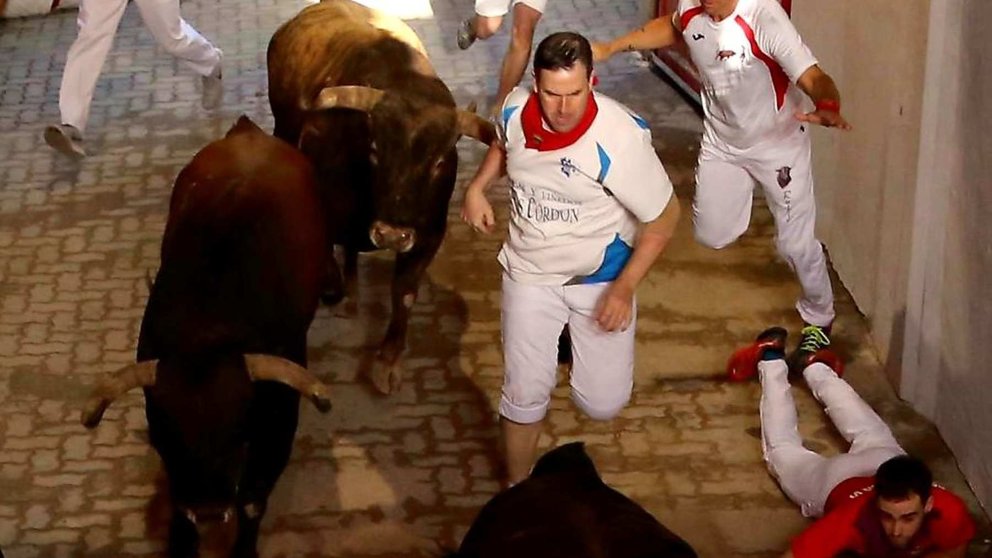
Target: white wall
[(905, 200), (949, 327)]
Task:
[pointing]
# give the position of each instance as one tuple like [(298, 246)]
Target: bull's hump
[(399, 30)]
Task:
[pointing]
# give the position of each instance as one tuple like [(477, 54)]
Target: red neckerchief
[(537, 137)]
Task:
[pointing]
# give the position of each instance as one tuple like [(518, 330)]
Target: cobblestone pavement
[(398, 476)]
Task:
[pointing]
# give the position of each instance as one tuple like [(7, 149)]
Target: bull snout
[(385, 236), (209, 514)]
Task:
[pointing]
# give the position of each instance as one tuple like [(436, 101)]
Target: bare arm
[(616, 306), (821, 88), (476, 210), (657, 33)]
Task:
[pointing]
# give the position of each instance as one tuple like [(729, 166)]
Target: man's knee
[(486, 27), (602, 406), (713, 237)]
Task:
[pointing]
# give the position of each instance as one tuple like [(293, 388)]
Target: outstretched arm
[(823, 91), (657, 33)]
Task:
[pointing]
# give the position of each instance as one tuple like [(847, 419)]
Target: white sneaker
[(213, 90), (66, 139)]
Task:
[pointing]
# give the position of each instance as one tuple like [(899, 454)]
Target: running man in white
[(484, 24), (873, 500), (751, 58), (591, 210), (97, 22)]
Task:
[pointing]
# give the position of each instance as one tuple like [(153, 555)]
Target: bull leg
[(409, 269), (183, 538), (351, 280), (334, 288)]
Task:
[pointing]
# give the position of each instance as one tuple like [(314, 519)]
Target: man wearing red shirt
[(875, 501)]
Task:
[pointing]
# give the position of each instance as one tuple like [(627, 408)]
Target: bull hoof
[(387, 377)]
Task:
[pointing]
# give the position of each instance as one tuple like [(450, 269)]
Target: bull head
[(358, 97), (260, 367)]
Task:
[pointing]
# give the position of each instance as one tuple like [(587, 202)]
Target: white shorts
[(602, 362), (498, 8)]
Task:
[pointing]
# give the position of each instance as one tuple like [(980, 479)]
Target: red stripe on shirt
[(780, 81), (688, 15)]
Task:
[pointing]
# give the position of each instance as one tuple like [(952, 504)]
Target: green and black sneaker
[(812, 339)]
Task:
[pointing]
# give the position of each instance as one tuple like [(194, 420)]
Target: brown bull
[(222, 348), (355, 91)]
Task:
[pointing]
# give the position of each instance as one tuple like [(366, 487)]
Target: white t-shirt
[(577, 201), (749, 63)]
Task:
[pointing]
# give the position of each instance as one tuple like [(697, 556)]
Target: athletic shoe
[(466, 34), (813, 338), (743, 364), (66, 139)]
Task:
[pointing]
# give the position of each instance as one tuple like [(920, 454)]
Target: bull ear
[(356, 97), (140, 374), (284, 371), (475, 126)]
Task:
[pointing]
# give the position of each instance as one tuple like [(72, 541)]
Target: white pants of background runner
[(497, 8), (721, 209), (602, 362), (806, 476), (97, 22)]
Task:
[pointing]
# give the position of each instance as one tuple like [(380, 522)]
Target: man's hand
[(825, 118), (477, 212), (615, 307)]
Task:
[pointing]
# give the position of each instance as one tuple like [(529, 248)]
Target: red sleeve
[(830, 534), (953, 525)]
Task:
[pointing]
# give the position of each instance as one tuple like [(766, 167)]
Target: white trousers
[(805, 476), (722, 210), (497, 8), (97, 22), (602, 362)]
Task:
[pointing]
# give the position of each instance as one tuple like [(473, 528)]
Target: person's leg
[(97, 22), (484, 23), (787, 179), (525, 19), (798, 470), (721, 207), (602, 361), (532, 317), (872, 442), (856, 421), (178, 38)]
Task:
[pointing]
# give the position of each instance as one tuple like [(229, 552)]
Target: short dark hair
[(901, 476), (561, 51)]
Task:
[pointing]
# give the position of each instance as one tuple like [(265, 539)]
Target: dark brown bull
[(354, 89), (564, 510), (222, 348)]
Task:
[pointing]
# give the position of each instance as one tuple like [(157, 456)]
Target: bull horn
[(139, 374), (284, 371), (475, 126), (356, 97)]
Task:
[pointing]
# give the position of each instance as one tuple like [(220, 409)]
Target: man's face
[(901, 519), (564, 94), (718, 8)]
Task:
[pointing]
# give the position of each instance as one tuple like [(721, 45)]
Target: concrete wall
[(904, 199), (866, 178), (949, 325)]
